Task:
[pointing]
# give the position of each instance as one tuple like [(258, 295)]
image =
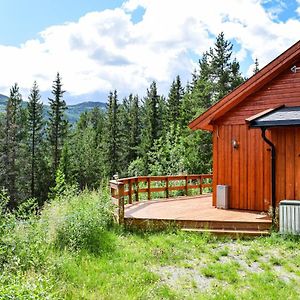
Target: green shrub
[(78, 222), (22, 244), (25, 286), (29, 242), (71, 221)]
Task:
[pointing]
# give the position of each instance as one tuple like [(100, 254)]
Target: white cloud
[(106, 50)]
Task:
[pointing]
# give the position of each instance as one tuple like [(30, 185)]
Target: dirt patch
[(184, 278), (250, 258)]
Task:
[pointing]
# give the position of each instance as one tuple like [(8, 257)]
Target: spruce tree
[(235, 75), (205, 68), (223, 72), (152, 121), (129, 120), (135, 126), (12, 143), (35, 129), (151, 118), (220, 57), (57, 123), (112, 135), (174, 102), (256, 66)]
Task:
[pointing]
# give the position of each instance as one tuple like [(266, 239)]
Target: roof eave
[(250, 86), (204, 126)]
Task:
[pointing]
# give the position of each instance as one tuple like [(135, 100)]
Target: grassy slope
[(68, 253), (184, 266)]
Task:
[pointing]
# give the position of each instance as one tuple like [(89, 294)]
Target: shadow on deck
[(195, 213)]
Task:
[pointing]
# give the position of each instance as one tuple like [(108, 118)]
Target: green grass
[(222, 271), (74, 252), (143, 267)]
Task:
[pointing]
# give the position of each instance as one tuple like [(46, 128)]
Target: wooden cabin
[(267, 103)]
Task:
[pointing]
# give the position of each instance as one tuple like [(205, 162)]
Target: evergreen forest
[(133, 136)]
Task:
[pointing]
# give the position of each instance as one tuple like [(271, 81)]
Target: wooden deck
[(196, 214), (193, 213)]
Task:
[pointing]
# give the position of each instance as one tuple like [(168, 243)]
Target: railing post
[(129, 191), (121, 203), (149, 188), (112, 192), (136, 189), (186, 185), (167, 187), (200, 184)]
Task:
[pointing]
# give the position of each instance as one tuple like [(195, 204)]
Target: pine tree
[(199, 93), (112, 135), (163, 121), (57, 124), (129, 120), (205, 68), (220, 57), (174, 101), (11, 143), (224, 73), (35, 129), (152, 121), (135, 126), (151, 116), (256, 66), (235, 75)]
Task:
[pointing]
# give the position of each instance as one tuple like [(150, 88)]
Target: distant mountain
[(3, 100), (73, 112)]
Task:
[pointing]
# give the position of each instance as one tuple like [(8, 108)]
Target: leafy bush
[(78, 222)]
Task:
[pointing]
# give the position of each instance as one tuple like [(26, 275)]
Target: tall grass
[(29, 243), (78, 222)]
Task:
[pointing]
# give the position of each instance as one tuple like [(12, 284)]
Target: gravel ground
[(248, 257)]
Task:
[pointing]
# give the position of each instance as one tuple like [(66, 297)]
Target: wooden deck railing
[(129, 190)]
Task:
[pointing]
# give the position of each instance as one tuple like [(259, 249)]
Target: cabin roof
[(286, 60), (281, 116)]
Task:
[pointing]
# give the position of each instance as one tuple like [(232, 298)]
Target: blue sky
[(98, 46), (22, 20)]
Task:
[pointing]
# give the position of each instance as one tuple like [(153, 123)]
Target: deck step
[(226, 225), (236, 226), (229, 232)]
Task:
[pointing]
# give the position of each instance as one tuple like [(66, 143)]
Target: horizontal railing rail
[(129, 190)]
